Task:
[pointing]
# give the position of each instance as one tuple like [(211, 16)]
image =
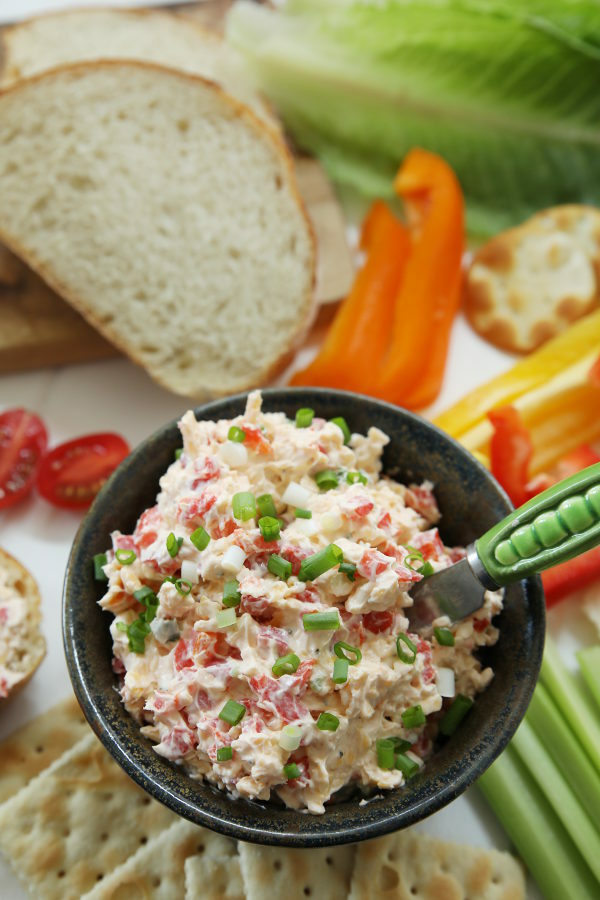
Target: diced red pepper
[(378, 621)]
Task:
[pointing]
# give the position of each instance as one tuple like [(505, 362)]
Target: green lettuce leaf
[(508, 96)]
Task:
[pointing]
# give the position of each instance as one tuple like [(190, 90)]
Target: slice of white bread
[(166, 213), (22, 645), (80, 35)]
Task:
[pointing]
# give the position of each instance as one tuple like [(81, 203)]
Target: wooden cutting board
[(38, 328)]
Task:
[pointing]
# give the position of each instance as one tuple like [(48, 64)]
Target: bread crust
[(25, 585), (307, 309)]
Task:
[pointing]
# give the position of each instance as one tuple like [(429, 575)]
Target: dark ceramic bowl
[(470, 501)]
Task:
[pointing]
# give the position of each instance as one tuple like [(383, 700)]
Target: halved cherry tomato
[(71, 474), (23, 439)]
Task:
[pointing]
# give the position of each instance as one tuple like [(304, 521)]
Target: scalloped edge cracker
[(213, 878), (410, 865), (281, 873)]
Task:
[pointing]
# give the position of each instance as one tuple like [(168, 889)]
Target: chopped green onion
[(200, 538), (285, 665), (413, 716), (340, 646), (146, 596), (407, 766), (426, 569), (326, 479), (329, 620), (266, 505), (173, 544), (455, 714), (402, 654), (327, 722), (224, 753), (348, 569), (290, 737), (343, 425), (269, 528), (226, 618), (125, 557), (279, 566), (444, 637), (236, 434), (137, 633), (400, 744), (291, 771), (121, 626), (244, 506), (304, 417), (99, 561), (415, 556), (353, 477), (340, 671), (385, 753), (183, 587), (231, 594), (303, 513), (233, 712), (320, 562), (178, 452)]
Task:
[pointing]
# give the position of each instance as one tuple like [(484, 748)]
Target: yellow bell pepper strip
[(429, 296), (569, 357), (360, 331)]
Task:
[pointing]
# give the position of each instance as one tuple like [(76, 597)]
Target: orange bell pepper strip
[(429, 296), (359, 334), (594, 373)]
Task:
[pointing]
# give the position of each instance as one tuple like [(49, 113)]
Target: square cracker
[(282, 873), (34, 746), (213, 878), (76, 822), (410, 865), (156, 870)]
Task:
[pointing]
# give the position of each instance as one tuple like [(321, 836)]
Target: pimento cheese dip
[(260, 633)]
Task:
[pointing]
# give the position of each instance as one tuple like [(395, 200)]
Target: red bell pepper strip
[(594, 373), (511, 450), (571, 576)]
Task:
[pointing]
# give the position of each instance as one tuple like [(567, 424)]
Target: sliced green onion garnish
[(406, 657), (400, 744), (121, 626), (348, 569), (233, 712), (303, 513), (182, 586), (327, 722), (99, 561), (279, 566), (236, 434), (455, 714), (226, 618), (329, 620), (224, 753), (304, 417), (269, 528), (326, 479), (266, 505), (340, 671), (415, 556), (341, 648), (231, 594), (353, 477), (244, 506), (413, 716), (125, 557), (178, 453), (444, 637), (407, 766), (426, 569), (291, 771), (320, 562), (173, 544), (385, 753), (343, 425), (200, 538), (137, 633), (285, 665), (145, 595)]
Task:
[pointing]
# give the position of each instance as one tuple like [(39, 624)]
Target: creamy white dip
[(177, 679)]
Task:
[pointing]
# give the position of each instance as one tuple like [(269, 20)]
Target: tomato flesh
[(72, 473), (23, 439)]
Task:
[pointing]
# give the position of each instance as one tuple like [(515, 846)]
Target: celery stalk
[(566, 751), (589, 663), (549, 778), (575, 706), (532, 825)]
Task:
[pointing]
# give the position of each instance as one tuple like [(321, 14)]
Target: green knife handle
[(554, 526)]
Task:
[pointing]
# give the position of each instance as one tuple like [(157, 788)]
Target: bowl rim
[(318, 835)]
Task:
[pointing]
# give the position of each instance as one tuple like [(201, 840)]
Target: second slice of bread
[(166, 213)]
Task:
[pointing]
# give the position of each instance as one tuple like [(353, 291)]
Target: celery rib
[(589, 663), (536, 831)]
